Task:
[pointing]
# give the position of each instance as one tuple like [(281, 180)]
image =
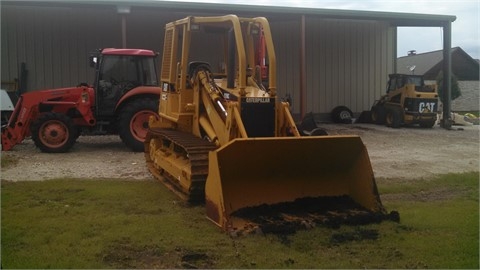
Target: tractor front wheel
[(53, 133), (133, 122)]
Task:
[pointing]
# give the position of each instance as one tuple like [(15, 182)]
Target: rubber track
[(193, 148)]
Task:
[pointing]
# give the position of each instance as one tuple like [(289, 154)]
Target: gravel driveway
[(397, 154)]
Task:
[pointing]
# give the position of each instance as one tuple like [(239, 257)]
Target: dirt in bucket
[(306, 213)]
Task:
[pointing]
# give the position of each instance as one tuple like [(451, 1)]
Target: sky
[(465, 29)]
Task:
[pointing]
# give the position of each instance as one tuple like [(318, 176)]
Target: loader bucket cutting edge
[(266, 171)]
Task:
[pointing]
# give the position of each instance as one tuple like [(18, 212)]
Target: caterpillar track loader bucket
[(302, 181)]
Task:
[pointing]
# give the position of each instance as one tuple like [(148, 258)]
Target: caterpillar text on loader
[(124, 95), (408, 101), (224, 138)]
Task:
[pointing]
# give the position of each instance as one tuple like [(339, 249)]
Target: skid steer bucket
[(290, 181)]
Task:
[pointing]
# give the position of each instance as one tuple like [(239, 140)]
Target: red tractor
[(124, 95)]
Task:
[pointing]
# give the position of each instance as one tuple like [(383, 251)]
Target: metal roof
[(430, 64), (394, 18)]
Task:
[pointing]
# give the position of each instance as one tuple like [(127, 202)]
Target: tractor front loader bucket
[(277, 183)]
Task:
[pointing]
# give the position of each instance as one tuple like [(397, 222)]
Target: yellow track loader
[(225, 138)]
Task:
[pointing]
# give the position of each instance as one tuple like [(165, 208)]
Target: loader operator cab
[(398, 81), (119, 71)]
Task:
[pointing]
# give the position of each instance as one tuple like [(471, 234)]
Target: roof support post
[(447, 75), (124, 31), (124, 11), (303, 67)]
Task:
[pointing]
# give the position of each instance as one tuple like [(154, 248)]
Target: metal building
[(325, 57)]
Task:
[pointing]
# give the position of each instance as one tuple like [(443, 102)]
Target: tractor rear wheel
[(54, 133), (133, 122)]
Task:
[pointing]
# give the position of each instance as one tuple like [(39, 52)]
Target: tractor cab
[(117, 72)]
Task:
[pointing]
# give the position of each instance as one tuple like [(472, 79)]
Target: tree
[(455, 92)]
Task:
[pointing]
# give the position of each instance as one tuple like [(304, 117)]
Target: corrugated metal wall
[(286, 39), (54, 43), (347, 62)]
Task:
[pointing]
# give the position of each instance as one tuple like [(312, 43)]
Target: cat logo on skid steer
[(426, 107)]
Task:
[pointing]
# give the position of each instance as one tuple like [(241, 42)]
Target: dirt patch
[(359, 234), (91, 157), (396, 154), (123, 254), (433, 194), (196, 260), (413, 153)]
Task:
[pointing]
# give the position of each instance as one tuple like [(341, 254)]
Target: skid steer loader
[(408, 101), (225, 139)]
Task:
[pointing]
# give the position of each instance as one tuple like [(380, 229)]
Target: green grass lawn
[(140, 224)]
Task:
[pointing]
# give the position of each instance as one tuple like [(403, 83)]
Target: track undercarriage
[(180, 160)]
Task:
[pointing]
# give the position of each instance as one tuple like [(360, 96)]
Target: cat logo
[(426, 107)]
